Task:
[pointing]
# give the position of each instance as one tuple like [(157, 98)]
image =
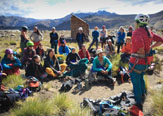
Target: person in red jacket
[(142, 39), (83, 53)]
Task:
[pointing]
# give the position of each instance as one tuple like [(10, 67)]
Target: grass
[(157, 99), (34, 107), (60, 105), (13, 81)]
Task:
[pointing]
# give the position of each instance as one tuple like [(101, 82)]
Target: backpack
[(122, 74), (34, 84), (66, 86), (7, 100)]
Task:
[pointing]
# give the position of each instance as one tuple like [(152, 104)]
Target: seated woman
[(109, 49), (126, 50), (28, 53), (10, 63), (52, 66), (36, 69), (40, 51), (72, 57), (102, 66), (83, 53), (63, 49)]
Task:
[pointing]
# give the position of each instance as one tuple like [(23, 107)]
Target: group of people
[(136, 45)]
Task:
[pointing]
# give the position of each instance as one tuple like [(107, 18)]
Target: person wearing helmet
[(95, 35), (103, 35), (130, 30), (10, 63), (29, 52), (80, 37), (109, 48), (120, 38), (24, 38), (142, 39), (54, 39), (102, 66), (126, 50), (36, 36)]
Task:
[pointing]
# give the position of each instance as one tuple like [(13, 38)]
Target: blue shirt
[(95, 34)]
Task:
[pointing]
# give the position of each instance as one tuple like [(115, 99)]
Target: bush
[(13, 81), (34, 107), (158, 103)]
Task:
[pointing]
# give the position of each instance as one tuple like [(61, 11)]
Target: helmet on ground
[(142, 19), (9, 51), (29, 43)]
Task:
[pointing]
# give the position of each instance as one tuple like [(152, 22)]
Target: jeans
[(119, 45), (138, 82), (94, 40), (55, 47), (80, 45)]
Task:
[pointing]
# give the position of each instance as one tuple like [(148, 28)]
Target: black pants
[(55, 47), (118, 47), (107, 76)]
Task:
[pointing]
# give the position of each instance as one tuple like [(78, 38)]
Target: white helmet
[(80, 29), (142, 19)]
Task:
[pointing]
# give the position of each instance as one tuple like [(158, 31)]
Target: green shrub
[(34, 107), (158, 103), (13, 81)]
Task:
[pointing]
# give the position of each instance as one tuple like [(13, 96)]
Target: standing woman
[(24, 38), (103, 36), (120, 38), (80, 37), (54, 39), (36, 37), (142, 39)]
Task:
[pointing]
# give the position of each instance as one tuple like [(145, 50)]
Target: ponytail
[(148, 32)]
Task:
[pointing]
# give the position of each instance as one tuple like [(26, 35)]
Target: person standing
[(24, 38), (95, 35), (80, 37), (103, 35), (36, 37), (120, 38), (142, 38), (54, 39)]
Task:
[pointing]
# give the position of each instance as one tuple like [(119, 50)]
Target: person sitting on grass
[(102, 66), (83, 53), (72, 58), (10, 63), (52, 66), (109, 49), (63, 49), (36, 69), (40, 51), (29, 52), (1, 73), (126, 50)]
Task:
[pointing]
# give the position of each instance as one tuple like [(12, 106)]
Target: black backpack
[(7, 100)]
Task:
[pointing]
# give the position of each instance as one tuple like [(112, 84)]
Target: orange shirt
[(127, 48)]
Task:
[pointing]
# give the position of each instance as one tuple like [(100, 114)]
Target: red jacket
[(140, 39), (81, 54)]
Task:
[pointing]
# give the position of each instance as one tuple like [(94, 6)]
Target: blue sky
[(52, 9)]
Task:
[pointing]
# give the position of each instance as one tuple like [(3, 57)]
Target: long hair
[(54, 57), (38, 31)]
